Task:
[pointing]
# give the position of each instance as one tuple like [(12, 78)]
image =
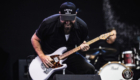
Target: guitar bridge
[(47, 70), (55, 61)]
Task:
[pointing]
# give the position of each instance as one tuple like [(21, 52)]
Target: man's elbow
[(34, 38)]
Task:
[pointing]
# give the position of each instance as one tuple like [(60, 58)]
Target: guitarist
[(63, 29)]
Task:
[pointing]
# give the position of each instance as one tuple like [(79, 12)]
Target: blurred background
[(20, 19)]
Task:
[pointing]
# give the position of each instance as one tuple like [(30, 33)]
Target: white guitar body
[(38, 71)]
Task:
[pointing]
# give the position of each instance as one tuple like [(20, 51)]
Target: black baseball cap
[(68, 11)]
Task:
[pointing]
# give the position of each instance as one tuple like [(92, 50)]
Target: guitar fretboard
[(77, 49)]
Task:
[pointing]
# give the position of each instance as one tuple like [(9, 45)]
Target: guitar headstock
[(106, 35)]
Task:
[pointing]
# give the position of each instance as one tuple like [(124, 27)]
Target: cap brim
[(68, 16)]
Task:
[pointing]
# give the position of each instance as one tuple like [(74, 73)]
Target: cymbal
[(101, 50)]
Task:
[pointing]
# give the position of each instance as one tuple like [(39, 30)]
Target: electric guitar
[(38, 71)]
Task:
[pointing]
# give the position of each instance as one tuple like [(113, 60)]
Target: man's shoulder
[(81, 22), (51, 18)]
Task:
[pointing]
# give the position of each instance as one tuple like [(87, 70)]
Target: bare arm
[(36, 45)]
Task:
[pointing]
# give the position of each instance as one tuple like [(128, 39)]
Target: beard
[(67, 27)]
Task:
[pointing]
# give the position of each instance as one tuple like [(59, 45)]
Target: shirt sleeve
[(43, 30)]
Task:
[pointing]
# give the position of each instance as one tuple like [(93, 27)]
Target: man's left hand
[(84, 46)]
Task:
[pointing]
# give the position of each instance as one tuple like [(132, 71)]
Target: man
[(108, 55), (63, 29)]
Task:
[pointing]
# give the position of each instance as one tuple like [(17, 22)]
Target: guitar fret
[(92, 41)]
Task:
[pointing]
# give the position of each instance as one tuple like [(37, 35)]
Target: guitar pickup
[(56, 59)]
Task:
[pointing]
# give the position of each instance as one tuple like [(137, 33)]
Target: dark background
[(20, 19)]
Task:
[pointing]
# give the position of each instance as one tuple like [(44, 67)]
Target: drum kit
[(113, 69)]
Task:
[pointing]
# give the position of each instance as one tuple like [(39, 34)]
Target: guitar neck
[(77, 49), (93, 40)]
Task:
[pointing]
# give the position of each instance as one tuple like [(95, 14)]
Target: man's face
[(67, 25), (112, 38)]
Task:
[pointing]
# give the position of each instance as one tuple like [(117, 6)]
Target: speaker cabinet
[(23, 70)]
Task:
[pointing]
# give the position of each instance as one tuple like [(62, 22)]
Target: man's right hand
[(46, 60)]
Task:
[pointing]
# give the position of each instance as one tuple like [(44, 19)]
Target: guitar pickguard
[(55, 62)]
